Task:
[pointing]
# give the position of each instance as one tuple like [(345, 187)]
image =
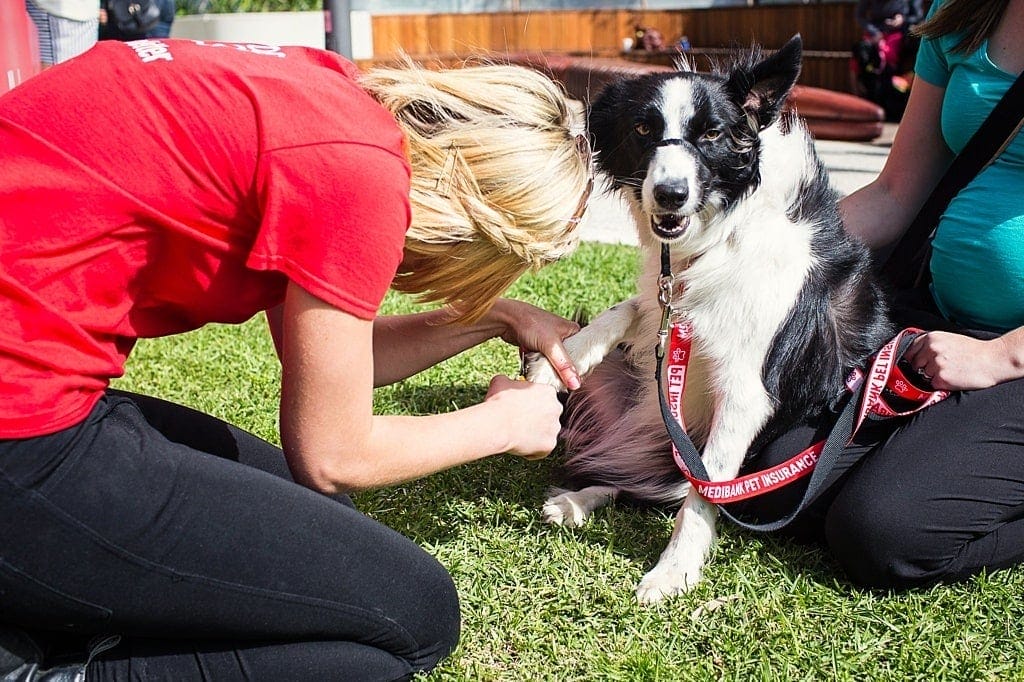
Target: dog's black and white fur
[(782, 302)]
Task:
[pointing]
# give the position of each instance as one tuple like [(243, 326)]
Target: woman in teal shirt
[(978, 252), (948, 500), (940, 496)]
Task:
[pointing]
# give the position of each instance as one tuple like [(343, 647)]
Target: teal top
[(977, 259)]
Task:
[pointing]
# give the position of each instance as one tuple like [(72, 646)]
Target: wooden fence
[(828, 32)]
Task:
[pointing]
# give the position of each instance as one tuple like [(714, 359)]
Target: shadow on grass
[(505, 489), (508, 492)]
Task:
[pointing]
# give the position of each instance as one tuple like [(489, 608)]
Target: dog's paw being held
[(540, 371), (663, 581)]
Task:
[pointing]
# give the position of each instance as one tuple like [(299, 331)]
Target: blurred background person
[(163, 26), (885, 52), (136, 19)]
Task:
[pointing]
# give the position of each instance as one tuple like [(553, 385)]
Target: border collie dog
[(782, 303)]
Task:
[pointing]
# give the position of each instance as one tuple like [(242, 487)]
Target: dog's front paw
[(664, 581), (540, 371)]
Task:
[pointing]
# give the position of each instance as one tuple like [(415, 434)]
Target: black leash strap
[(837, 439)]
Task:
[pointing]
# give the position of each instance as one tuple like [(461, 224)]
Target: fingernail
[(574, 383)]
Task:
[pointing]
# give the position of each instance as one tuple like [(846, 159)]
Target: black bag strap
[(907, 264)]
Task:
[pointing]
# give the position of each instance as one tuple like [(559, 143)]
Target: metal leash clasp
[(666, 282)]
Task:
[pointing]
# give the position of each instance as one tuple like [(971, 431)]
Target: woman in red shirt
[(151, 187)]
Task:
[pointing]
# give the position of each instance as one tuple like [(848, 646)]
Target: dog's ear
[(761, 88), (603, 121)]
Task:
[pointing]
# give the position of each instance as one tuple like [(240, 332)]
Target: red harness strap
[(885, 382)]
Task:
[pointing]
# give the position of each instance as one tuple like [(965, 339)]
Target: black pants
[(187, 537), (938, 496)]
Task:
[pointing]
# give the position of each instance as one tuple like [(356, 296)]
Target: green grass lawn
[(547, 603)]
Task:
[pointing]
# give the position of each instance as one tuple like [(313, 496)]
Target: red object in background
[(19, 46)]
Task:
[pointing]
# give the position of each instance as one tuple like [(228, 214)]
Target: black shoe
[(22, 659)]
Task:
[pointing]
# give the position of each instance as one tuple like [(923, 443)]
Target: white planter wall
[(273, 28)]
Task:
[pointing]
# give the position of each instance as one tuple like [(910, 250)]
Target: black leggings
[(187, 537), (935, 497)]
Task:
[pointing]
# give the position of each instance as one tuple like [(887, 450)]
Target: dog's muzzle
[(669, 197)]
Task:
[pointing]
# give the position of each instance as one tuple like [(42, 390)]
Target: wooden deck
[(828, 31)]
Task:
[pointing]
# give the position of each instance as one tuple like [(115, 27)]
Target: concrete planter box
[(272, 28)]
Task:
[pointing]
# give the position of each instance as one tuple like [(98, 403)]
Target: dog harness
[(881, 391)]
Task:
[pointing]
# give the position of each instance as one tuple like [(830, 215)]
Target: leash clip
[(665, 285)]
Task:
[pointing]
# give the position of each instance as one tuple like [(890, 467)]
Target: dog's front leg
[(679, 568), (589, 346), (739, 416)]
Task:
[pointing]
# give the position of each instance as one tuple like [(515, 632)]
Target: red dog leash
[(882, 392), (883, 381)]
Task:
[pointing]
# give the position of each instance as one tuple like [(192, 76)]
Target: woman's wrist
[(500, 319), (1011, 351), (491, 427)]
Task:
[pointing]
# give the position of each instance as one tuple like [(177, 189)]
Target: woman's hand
[(954, 362), (532, 414), (533, 329), (406, 344)]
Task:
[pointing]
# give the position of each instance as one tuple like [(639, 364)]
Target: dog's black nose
[(671, 195)]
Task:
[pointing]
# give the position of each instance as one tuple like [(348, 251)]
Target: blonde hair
[(496, 176)]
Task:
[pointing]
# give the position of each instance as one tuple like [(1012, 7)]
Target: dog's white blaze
[(676, 105), (674, 163)]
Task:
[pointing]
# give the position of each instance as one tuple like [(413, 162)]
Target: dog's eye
[(642, 129), (711, 135)]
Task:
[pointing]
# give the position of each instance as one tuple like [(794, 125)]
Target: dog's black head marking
[(686, 144)]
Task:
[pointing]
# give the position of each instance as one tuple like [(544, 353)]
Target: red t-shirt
[(151, 187)]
